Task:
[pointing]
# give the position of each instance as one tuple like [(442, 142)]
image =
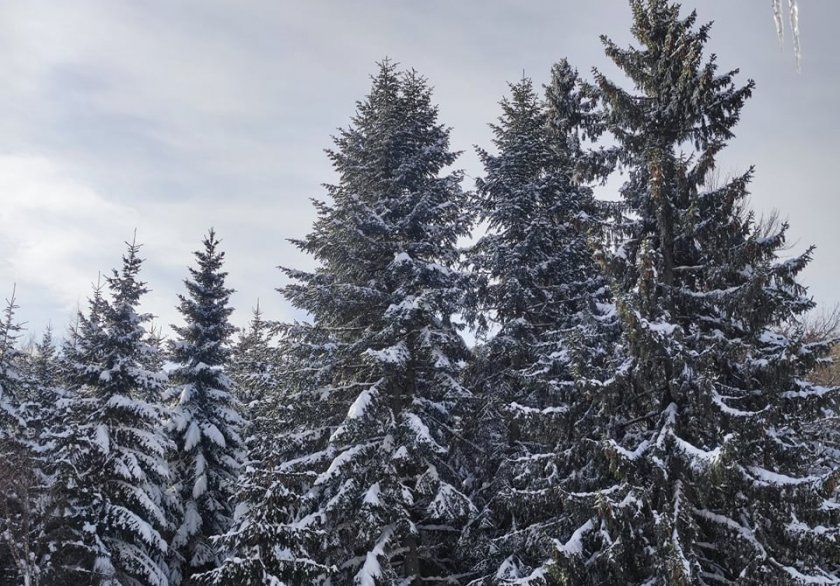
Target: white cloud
[(49, 225)]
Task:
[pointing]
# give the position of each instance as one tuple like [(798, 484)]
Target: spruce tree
[(12, 378), (366, 481), (21, 486), (205, 424), (256, 549), (707, 476), (27, 470), (45, 367), (254, 364), (263, 545), (538, 281), (109, 458)]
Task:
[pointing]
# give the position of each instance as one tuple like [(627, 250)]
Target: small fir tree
[(263, 546), (254, 364)]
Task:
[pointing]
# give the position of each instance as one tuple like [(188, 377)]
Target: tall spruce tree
[(109, 457), (205, 425), (707, 474), (12, 379), (539, 282), (376, 381)]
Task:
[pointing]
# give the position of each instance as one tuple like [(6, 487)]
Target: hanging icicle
[(794, 28), (793, 16), (780, 25)]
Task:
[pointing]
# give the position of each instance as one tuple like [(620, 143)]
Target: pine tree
[(205, 423), (109, 459), (707, 476), (539, 282)]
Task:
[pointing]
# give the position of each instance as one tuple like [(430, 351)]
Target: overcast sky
[(171, 117)]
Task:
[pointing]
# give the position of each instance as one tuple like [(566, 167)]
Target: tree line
[(644, 404)]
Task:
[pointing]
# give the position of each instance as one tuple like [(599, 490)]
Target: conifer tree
[(375, 375), (205, 423), (539, 282), (85, 340), (47, 394), (707, 476), (263, 546), (109, 458), (45, 367), (254, 364), (21, 487), (26, 470), (12, 380)]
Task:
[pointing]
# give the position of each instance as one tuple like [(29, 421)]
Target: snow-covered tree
[(707, 473), (25, 479), (44, 365), (366, 481), (109, 457), (539, 282), (21, 486), (263, 546), (12, 380), (254, 364), (205, 425)]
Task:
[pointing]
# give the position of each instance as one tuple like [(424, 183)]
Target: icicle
[(793, 8), (777, 17), (793, 15)]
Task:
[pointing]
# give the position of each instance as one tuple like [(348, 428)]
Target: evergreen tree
[(375, 384), (263, 546), (540, 283), (27, 470), (205, 423), (47, 394), (21, 487), (707, 476), (12, 380), (254, 365), (45, 366), (85, 340), (109, 459)]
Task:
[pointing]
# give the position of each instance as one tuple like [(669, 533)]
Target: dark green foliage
[(538, 281), (706, 475)]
